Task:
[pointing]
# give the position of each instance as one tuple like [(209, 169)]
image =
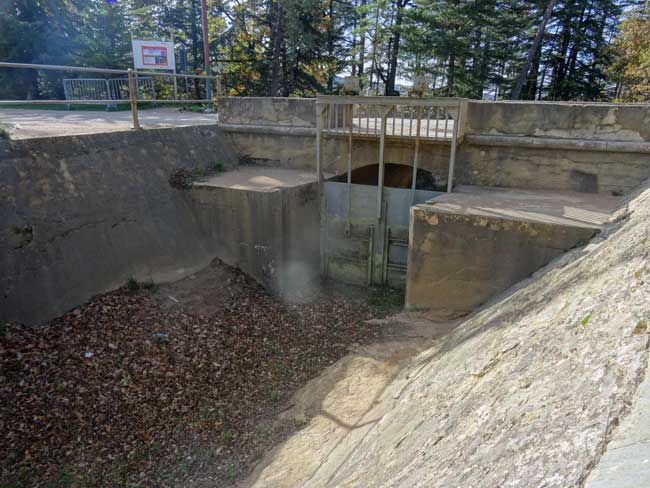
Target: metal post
[(206, 50), (134, 101), (350, 114), (380, 179), (175, 81), (219, 88), (415, 155), (452, 156), (321, 197)]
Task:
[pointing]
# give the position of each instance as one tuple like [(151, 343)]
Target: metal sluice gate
[(365, 228)]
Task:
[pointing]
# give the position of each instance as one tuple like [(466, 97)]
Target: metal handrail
[(131, 74), (56, 67), (406, 101)]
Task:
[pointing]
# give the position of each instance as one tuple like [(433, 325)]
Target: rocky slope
[(526, 392)]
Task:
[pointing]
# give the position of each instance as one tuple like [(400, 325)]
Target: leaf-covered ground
[(139, 387)]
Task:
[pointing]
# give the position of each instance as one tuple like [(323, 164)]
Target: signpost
[(153, 55)]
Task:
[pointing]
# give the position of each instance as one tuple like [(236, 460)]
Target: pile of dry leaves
[(136, 389)]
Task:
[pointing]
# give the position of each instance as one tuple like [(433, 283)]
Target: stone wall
[(80, 215)]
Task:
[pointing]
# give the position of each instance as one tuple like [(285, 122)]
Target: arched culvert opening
[(395, 176)]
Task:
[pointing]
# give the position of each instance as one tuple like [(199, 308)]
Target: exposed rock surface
[(527, 392)]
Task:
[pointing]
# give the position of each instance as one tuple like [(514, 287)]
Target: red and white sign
[(153, 55)]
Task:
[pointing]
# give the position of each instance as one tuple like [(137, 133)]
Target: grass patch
[(231, 471), (134, 285), (386, 300)]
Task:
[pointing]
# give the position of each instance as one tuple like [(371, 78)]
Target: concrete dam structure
[(83, 213), (491, 214)]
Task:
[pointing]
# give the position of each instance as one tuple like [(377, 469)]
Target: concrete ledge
[(269, 129), (559, 143), (468, 246)]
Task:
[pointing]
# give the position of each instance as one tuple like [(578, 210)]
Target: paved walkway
[(27, 123)]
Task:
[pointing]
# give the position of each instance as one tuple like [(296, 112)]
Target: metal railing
[(128, 84), (110, 89), (417, 119), (428, 119)]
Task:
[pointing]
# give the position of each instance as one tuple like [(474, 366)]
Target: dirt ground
[(184, 384)]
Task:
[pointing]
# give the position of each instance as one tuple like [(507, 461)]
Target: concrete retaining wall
[(80, 215), (565, 120), (457, 262), (603, 148), (289, 112)]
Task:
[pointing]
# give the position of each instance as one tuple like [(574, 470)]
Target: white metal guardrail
[(110, 89), (129, 84)]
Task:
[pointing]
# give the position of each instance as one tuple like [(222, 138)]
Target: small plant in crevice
[(641, 327), (275, 396), (217, 167), (585, 320)]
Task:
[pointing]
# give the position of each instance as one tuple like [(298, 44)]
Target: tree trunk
[(394, 51), (330, 47), (530, 89), (362, 45), (195, 46), (277, 34), (523, 75)]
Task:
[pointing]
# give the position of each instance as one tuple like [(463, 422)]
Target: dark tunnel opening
[(395, 176)]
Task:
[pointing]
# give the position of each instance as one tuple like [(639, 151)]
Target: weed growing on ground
[(275, 396), (386, 300), (134, 285), (231, 471), (586, 320), (227, 435)]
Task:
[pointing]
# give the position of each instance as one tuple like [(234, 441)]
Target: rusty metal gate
[(365, 228), (364, 250)]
